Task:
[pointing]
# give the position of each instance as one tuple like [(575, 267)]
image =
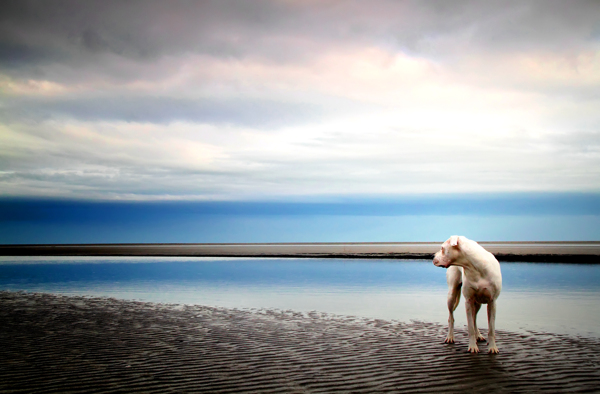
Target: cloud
[(141, 109), (232, 100)]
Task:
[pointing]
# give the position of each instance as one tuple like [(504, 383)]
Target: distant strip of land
[(568, 252)]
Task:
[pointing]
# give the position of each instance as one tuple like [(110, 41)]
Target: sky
[(312, 101)]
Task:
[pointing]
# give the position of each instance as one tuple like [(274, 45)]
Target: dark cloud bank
[(18, 209), (73, 32)]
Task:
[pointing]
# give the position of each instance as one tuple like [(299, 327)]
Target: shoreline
[(567, 252), (54, 343)]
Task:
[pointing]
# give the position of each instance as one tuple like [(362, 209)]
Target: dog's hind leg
[(454, 278)]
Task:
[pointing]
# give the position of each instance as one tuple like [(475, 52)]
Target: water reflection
[(561, 298)]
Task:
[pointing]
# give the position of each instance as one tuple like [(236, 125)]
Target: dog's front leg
[(480, 337), (471, 316), (491, 311)]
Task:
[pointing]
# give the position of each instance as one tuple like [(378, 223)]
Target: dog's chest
[(482, 291), (484, 296)]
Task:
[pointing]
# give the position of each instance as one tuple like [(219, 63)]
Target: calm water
[(560, 298)]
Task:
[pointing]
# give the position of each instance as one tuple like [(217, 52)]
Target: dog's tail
[(454, 297), (458, 296)]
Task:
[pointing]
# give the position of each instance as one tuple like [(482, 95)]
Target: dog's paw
[(449, 340), (480, 338), (493, 350), (473, 349)]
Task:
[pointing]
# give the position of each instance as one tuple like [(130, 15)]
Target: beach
[(565, 252), (58, 344)]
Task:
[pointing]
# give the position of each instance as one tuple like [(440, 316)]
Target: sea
[(536, 297)]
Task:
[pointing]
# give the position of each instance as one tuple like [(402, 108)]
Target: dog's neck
[(474, 268)]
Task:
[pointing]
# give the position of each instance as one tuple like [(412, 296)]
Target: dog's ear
[(454, 240)]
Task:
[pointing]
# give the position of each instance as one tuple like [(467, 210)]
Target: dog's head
[(449, 252)]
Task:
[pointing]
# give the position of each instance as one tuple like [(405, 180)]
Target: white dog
[(477, 271)]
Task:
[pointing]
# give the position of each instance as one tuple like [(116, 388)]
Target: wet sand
[(58, 344), (576, 252)]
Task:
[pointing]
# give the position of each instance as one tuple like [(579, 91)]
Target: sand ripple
[(56, 344)]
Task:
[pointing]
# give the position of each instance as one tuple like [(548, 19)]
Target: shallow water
[(559, 298)]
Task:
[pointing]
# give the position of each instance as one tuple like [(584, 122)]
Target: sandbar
[(566, 252)]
